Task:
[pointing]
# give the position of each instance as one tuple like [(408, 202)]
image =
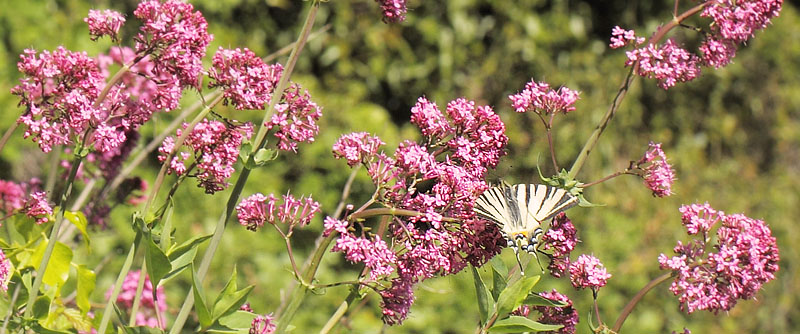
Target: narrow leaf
[(498, 283), (187, 246), (482, 296), (517, 324), (200, 306), (158, 264), (230, 288), (512, 296), (534, 299), (86, 284), (231, 302)]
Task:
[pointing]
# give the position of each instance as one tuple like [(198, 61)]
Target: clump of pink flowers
[(247, 82), (393, 10), (553, 315), (713, 276), (263, 324), (539, 98), (295, 119), (5, 271), (560, 239), (150, 310), (12, 196), (658, 173), (38, 207), (176, 36), (104, 23), (375, 254), (215, 147), (357, 147), (258, 209), (733, 23), (587, 272)]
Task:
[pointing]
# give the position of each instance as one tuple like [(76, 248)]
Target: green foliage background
[(733, 136)]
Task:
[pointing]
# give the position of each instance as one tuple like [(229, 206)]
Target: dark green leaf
[(517, 324), (41, 308), (498, 283), (512, 296), (158, 264), (483, 297)]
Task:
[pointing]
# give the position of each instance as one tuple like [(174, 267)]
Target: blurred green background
[(733, 135)]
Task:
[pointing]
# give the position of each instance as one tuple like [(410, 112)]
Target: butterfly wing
[(550, 201)]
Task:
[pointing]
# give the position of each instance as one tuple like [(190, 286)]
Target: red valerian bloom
[(295, 119), (5, 271), (38, 207), (561, 238), (567, 315), (104, 23), (588, 272), (667, 63), (258, 209), (714, 276), (539, 98), (263, 324), (247, 82), (357, 147), (148, 307), (394, 11), (658, 173)]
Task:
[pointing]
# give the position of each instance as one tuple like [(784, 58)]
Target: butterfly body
[(520, 209)]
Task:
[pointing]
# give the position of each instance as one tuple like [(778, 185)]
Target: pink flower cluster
[(148, 307), (393, 10), (12, 196), (715, 276), (588, 272), (658, 174), (104, 23), (296, 118), (175, 36), (215, 146), (35, 205), (462, 143), (38, 207), (375, 254), (246, 80), (734, 22), (58, 91), (539, 98), (667, 63), (263, 324), (561, 239), (552, 315), (5, 271), (357, 148), (258, 209)]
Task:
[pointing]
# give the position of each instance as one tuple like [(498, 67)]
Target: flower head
[(5, 271), (658, 174), (357, 147), (148, 306), (247, 82), (295, 118), (175, 36), (375, 254), (12, 196), (588, 272), (621, 37), (714, 276), (394, 11), (561, 238), (667, 63), (539, 98), (263, 324), (104, 23), (566, 316), (258, 209), (38, 207)]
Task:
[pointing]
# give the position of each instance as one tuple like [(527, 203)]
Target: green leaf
[(187, 246), (86, 285), (237, 320), (534, 299), (158, 264), (78, 319), (511, 297), (229, 300), (39, 329), (244, 151), (498, 283), (41, 307), (230, 288), (200, 306), (57, 270), (78, 219), (499, 266), (265, 155), (483, 296), (517, 324)]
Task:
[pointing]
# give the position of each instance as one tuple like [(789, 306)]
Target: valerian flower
[(104, 23), (146, 315), (258, 209), (658, 173)]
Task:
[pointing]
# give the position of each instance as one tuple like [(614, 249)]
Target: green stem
[(337, 316), (117, 288), (260, 140), (626, 311), (53, 238), (623, 90), (11, 308)]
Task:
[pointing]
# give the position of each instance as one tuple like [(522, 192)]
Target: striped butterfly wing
[(523, 207)]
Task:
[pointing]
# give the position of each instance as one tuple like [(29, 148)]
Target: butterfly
[(520, 209)]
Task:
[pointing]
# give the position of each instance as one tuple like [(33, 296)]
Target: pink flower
[(215, 146), (717, 53), (739, 20), (522, 311), (539, 98), (668, 63), (263, 324), (58, 90), (175, 36), (588, 272), (295, 119), (393, 10), (38, 207), (12, 196), (621, 37), (332, 224), (357, 147), (658, 174), (5, 271), (396, 301), (715, 276), (561, 238), (246, 80), (258, 209), (427, 117), (148, 307), (105, 23), (552, 315), (375, 254)]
